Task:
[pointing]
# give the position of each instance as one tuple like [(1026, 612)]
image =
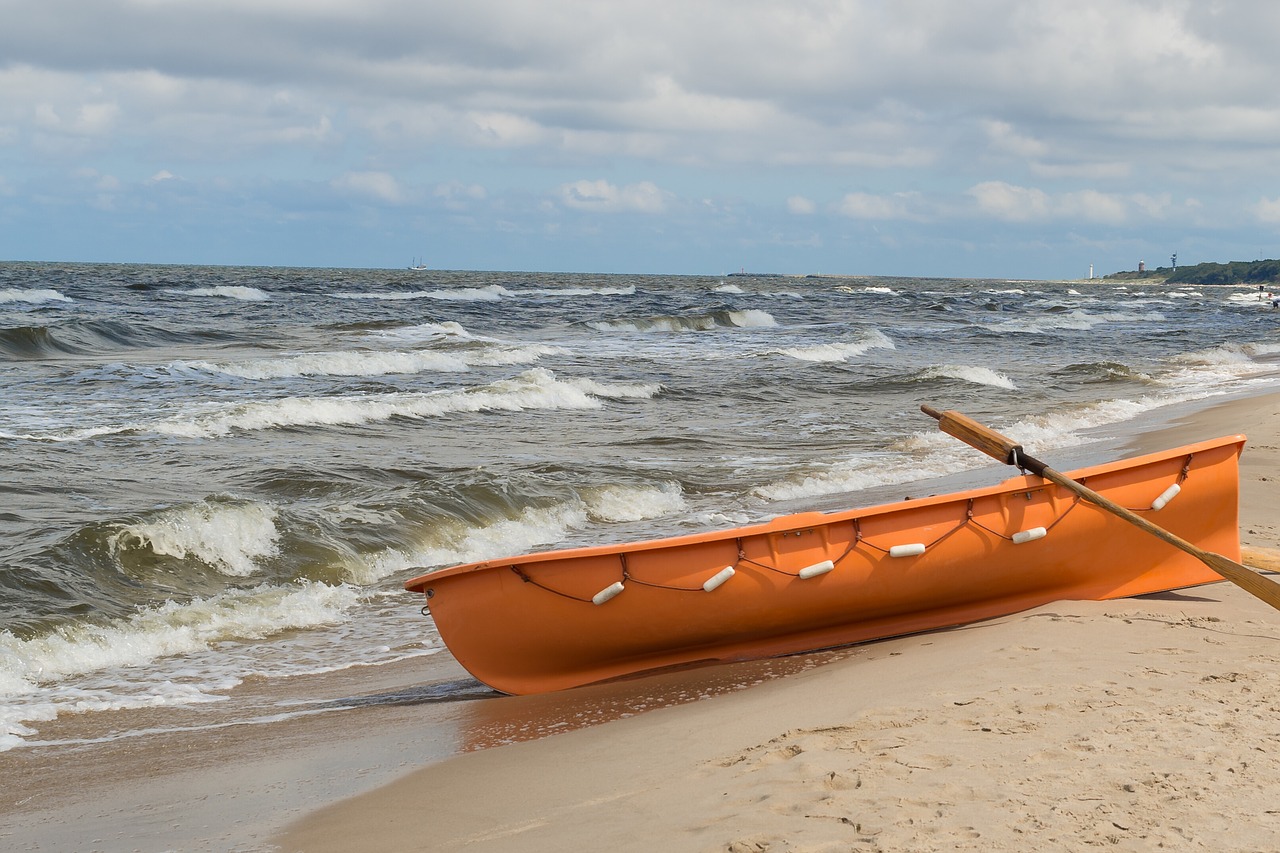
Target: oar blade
[(1259, 586)]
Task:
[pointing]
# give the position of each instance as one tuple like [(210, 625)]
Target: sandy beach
[(1133, 724)]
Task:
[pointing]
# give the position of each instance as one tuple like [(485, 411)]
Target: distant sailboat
[(417, 264)]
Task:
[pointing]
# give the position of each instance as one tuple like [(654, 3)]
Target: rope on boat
[(912, 549)]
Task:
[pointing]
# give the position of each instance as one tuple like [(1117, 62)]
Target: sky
[(986, 138)]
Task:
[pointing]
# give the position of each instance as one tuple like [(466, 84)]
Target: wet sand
[(1124, 724)]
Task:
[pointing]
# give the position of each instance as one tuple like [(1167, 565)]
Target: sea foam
[(618, 503), (972, 375), (750, 318), (533, 389), (34, 296), (230, 537), (836, 352), (491, 293), (245, 294), (171, 628)]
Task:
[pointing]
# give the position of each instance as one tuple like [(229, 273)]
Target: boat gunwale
[(814, 518)]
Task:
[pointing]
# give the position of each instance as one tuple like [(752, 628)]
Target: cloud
[(1119, 113), (800, 205), (1011, 203), (1019, 204), (378, 186), (600, 196), (867, 206), (1267, 210)]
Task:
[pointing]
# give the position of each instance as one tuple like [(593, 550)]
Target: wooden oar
[(999, 447)]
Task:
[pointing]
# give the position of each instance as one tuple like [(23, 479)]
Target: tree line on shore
[(1232, 272)]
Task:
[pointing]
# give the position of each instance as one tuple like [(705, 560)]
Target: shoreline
[(792, 753), (1071, 724)]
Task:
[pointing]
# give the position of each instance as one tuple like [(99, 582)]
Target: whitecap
[(491, 293), (837, 352), (230, 537), (167, 629), (617, 503), (246, 294), (354, 363), (972, 375), (533, 389), (34, 296)]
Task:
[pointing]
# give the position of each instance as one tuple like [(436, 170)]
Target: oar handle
[(985, 439)]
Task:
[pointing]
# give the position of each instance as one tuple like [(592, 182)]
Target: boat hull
[(802, 582)]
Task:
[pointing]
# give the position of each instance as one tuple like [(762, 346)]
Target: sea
[(211, 476)]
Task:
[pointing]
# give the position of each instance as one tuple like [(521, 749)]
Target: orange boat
[(560, 619)]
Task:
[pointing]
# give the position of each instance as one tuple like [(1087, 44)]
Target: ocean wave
[(369, 362), (230, 536), (423, 332), (617, 390), (1102, 371), (79, 337), (533, 389), (227, 291), (1074, 320), (746, 319), (931, 453), (851, 475), (31, 667), (835, 352), (491, 293), (629, 290), (533, 528), (34, 296), (633, 503), (455, 542), (972, 375), (170, 628), (728, 288), (1218, 366)]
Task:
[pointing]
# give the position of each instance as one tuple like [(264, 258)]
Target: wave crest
[(746, 319), (34, 296), (228, 536)]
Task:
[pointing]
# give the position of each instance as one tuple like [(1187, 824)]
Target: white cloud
[(379, 186), (601, 196), (867, 206), (800, 205), (1003, 136), (456, 190), (160, 176), (1267, 210), (1010, 203), (1110, 115)]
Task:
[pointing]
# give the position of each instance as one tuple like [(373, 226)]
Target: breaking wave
[(226, 291), (836, 352), (747, 319), (34, 296)]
